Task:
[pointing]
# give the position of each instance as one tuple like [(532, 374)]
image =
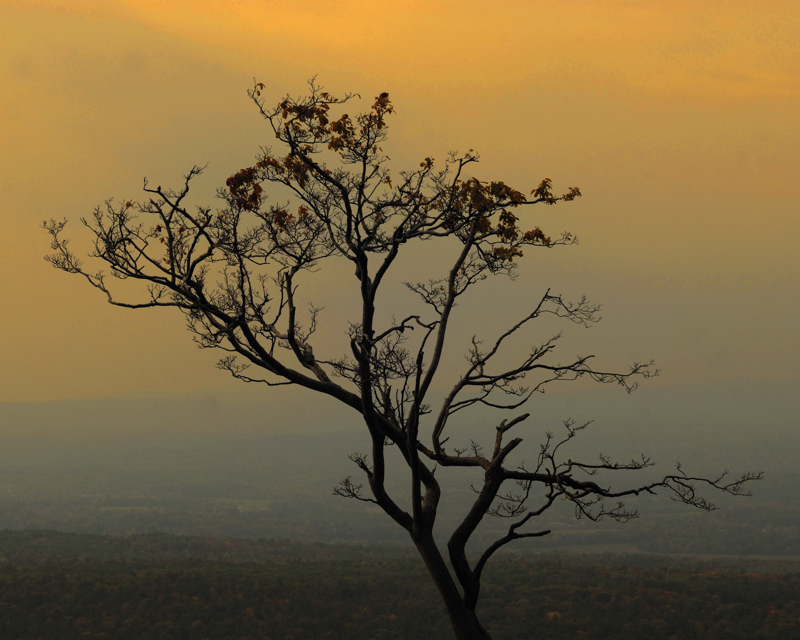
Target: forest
[(62, 585)]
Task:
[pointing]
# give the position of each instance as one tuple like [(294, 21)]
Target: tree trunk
[(463, 620)]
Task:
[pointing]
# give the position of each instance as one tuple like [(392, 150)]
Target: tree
[(235, 275)]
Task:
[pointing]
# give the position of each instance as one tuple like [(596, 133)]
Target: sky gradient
[(678, 121)]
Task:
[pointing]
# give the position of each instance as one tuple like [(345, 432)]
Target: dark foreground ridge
[(59, 585)]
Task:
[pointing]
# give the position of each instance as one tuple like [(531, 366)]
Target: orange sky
[(679, 121)]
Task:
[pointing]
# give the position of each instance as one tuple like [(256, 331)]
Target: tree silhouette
[(235, 272)]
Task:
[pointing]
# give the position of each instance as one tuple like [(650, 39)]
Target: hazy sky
[(680, 121)]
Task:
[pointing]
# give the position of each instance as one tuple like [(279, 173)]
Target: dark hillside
[(157, 586)]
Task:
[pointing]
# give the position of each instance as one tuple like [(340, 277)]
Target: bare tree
[(235, 274)]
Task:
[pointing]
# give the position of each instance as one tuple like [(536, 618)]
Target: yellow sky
[(679, 120), (715, 50)]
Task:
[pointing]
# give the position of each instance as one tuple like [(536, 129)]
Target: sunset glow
[(678, 120)]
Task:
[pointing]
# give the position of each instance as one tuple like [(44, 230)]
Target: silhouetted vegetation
[(238, 274)]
